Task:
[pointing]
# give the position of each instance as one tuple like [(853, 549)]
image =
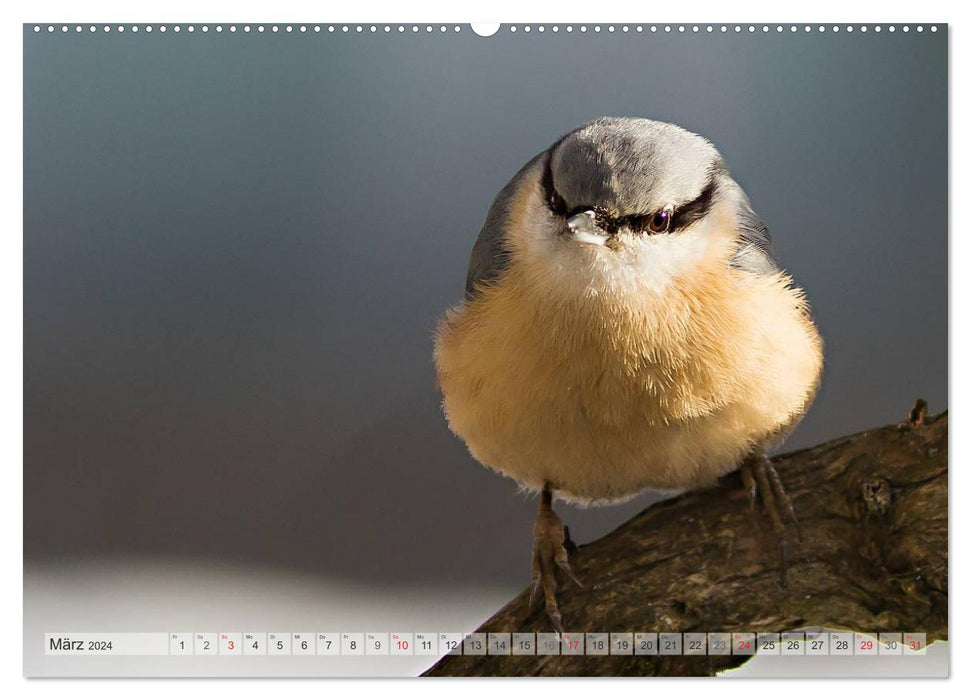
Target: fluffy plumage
[(657, 361)]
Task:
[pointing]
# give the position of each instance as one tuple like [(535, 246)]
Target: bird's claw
[(549, 554), (761, 478)]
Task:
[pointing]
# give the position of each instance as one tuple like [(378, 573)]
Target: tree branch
[(872, 558)]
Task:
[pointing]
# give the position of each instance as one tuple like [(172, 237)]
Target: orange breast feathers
[(609, 389)]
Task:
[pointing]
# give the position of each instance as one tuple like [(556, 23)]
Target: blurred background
[(237, 246)]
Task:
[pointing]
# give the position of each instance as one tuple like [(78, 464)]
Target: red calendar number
[(744, 645), (866, 644), (915, 645)]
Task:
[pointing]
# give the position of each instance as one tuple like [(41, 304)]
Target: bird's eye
[(660, 221), (556, 203)]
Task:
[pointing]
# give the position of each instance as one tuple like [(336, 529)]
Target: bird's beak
[(584, 228)]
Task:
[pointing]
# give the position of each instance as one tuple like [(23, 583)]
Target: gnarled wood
[(872, 558)]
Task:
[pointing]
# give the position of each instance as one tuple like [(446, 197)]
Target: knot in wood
[(877, 495)]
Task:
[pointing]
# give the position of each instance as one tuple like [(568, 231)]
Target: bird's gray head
[(637, 175), (630, 200)]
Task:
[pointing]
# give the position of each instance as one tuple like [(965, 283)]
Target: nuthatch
[(625, 327)]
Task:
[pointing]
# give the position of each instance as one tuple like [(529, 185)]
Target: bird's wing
[(754, 252), (490, 254)]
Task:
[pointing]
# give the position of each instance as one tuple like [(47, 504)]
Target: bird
[(625, 327)]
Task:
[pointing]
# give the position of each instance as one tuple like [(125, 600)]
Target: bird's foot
[(549, 554), (761, 478)]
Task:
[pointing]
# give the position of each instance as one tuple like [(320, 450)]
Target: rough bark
[(872, 557)]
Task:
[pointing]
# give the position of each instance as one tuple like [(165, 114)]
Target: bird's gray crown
[(630, 166)]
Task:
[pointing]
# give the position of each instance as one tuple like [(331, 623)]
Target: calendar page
[(396, 349)]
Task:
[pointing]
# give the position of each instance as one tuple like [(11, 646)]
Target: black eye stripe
[(681, 217), (553, 199), (687, 214)]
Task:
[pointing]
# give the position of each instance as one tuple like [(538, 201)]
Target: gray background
[(236, 248)]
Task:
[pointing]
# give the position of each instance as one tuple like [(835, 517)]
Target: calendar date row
[(793, 643)]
